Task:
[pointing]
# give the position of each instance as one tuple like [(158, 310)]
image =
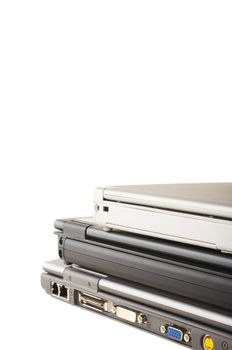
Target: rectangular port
[(60, 291), (125, 314), (54, 288), (175, 333), (130, 315), (63, 292), (98, 304), (95, 303), (91, 301)]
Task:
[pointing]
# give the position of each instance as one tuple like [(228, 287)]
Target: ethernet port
[(55, 288), (63, 292)]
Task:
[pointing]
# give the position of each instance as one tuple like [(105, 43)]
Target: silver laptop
[(197, 214), (162, 314)]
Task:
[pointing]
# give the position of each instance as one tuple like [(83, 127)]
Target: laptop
[(186, 323), (198, 214), (201, 274)]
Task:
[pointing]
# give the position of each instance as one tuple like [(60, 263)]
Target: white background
[(99, 93)]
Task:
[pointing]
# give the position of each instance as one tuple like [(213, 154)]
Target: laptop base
[(80, 289)]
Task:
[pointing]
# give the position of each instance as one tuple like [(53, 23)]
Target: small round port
[(225, 345), (163, 329), (186, 338), (208, 343), (61, 240), (142, 318)]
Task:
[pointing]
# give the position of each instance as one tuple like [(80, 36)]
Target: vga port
[(175, 333)]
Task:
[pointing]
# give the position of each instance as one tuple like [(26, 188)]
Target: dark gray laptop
[(199, 273)]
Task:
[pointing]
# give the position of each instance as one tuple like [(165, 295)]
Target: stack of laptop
[(158, 257)]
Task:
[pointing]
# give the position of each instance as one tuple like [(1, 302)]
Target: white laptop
[(197, 214)]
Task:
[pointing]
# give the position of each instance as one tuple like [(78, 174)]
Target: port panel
[(184, 334), (106, 306)]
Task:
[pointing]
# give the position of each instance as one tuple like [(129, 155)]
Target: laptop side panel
[(176, 226)]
